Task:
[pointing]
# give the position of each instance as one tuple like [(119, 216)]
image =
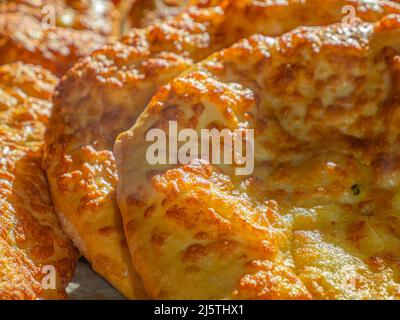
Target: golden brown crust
[(147, 12), (104, 93), (319, 217), (90, 15), (79, 30), (30, 235)]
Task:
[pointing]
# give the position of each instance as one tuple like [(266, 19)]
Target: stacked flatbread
[(37, 260), (318, 83)]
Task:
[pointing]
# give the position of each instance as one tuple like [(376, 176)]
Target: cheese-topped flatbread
[(318, 218), (104, 93)]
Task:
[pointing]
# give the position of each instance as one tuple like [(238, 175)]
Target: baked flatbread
[(98, 16), (318, 218), (27, 35), (36, 259), (104, 93), (31, 241), (147, 12)]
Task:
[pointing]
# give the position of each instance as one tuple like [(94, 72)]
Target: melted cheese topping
[(105, 92), (148, 12), (30, 235), (80, 27), (319, 216)]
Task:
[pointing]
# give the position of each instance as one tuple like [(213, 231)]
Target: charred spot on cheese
[(356, 188)]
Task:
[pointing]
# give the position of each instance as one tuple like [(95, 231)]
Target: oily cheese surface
[(93, 15), (80, 27), (105, 92), (319, 216), (31, 240), (147, 12)]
